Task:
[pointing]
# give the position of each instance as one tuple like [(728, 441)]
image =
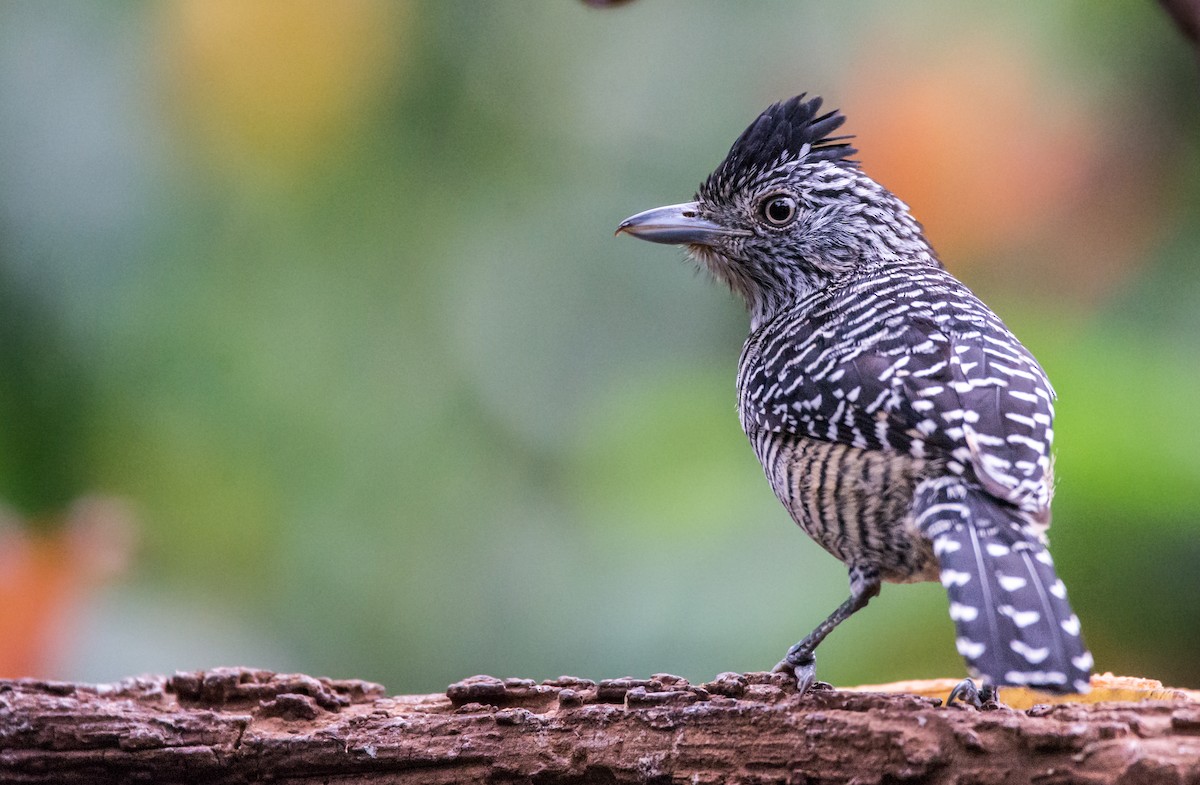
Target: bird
[(898, 420)]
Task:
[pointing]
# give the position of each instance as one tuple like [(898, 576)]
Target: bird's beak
[(676, 224)]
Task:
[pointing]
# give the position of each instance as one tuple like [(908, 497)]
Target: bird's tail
[(1014, 624)]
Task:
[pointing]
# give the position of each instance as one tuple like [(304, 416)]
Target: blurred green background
[(317, 352)]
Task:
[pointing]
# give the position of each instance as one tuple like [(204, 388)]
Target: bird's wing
[(974, 397)]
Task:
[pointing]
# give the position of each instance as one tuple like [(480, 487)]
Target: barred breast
[(855, 503)]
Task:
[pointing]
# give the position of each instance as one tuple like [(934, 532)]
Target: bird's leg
[(801, 660), (967, 692)]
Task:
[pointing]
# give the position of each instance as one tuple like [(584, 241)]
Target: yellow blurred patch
[(1105, 688), (274, 84)]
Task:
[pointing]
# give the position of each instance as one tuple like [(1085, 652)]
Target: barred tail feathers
[(1014, 624)]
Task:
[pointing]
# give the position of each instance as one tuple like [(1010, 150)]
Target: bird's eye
[(778, 210)]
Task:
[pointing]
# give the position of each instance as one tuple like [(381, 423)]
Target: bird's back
[(858, 392)]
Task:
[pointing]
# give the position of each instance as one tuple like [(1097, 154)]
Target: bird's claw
[(967, 692), (803, 668)]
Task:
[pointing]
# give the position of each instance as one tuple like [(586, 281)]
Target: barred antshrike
[(901, 424)]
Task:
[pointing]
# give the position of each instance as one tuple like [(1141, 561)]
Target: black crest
[(788, 129)]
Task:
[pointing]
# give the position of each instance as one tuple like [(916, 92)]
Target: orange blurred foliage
[(44, 575), (1000, 165)]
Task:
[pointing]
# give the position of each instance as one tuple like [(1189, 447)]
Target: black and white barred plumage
[(898, 420)]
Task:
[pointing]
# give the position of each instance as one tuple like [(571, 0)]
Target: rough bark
[(240, 725)]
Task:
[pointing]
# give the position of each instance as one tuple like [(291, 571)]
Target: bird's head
[(786, 212)]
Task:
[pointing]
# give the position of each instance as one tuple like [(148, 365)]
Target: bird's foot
[(803, 668), (967, 692)]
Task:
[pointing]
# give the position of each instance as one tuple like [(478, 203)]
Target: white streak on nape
[(969, 648), (960, 612), (1070, 626), (955, 578), (1011, 582), (1034, 656)]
